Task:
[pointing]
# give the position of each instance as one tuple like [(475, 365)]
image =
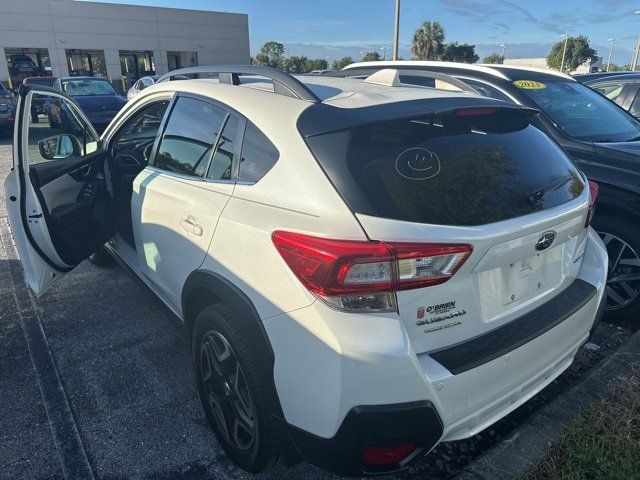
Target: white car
[(140, 85), (365, 269)]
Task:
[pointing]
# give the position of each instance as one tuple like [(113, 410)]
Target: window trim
[(163, 126), (492, 85)]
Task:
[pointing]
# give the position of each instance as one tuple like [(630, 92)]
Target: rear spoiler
[(322, 118)]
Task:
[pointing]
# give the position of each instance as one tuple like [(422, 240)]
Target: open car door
[(58, 197)]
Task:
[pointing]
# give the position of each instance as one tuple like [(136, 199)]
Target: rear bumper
[(329, 363), (381, 425)]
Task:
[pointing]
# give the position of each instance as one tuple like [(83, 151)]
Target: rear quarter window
[(449, 170), (259, 155)]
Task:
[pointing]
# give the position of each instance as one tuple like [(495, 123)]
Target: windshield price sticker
[(529, 85)]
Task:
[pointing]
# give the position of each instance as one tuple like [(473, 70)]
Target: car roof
[(504, 72), (607, 76), (85, 77), (343, 102)]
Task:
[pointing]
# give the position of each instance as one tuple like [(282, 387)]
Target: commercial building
[(587, 67), (118, 42)]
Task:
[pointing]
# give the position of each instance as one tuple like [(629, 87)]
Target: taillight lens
[(593, 195), (364, 275)]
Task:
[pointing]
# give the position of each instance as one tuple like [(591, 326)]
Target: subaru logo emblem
[(545, 240)]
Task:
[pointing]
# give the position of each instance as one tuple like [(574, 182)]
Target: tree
[(493, 58), (463, 52), (616, 68), (340, 64), (578, 52), (270, 55), (295, 64), (316, 64), (371, 57), (428, 41)]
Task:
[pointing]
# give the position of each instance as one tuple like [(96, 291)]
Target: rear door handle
[(189, 224)]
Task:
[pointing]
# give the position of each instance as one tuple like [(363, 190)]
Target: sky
[(336, 28)]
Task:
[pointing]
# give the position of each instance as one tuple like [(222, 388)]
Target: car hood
[(93, 104)]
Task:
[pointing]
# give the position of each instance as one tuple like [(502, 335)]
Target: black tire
[(252, 392), (616, 231), (101, 258)]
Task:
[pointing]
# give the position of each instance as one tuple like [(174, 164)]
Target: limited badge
[(529, 84)]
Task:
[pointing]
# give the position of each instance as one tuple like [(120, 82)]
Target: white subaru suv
[(365, 269)]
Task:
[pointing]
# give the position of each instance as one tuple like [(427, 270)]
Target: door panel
[(174, 218), (57, 197)]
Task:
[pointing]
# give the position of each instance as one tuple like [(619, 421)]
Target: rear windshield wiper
[(540, 194)]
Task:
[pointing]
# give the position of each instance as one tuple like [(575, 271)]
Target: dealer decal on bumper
[(440, 312)]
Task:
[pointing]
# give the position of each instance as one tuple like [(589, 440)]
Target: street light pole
[(564, 51), (504, 49), (636, 51), (396, 31), (613, 42)]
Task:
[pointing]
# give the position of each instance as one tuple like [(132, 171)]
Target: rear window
[(449, 169)]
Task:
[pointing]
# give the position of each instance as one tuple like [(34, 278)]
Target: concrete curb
[(518, 452)]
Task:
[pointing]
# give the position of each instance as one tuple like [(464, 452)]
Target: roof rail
[(283, 83), (363, 70)]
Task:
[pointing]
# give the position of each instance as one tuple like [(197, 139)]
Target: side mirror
[(59, 146)]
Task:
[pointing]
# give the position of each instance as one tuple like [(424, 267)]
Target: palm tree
[(428, 41)]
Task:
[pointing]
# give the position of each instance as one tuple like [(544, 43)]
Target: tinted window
[(258, 155), (609, 90), (448, 170), (190, 135), (581, 112), (486, 90), (86, 87), (48, 81), (634, 109), (220, 168)]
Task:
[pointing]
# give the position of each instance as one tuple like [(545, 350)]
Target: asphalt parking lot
[(96, 381)]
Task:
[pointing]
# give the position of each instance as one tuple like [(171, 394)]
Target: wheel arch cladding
[(204, 288), (617, 201)]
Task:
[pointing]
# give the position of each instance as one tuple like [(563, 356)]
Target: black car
[(95, 96), (602, 138), (620, 87), (20, 64)]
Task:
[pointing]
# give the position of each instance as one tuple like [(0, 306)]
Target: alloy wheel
[(623, 282), (226, 390)]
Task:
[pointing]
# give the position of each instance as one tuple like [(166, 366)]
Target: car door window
[(222, 161), (634, 109), (259, 155), (145, 82), (610, 90), (60, 133), (190, 135), (138, 133)]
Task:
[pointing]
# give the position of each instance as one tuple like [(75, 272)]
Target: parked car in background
[(622, 88), (96, 96), (364, 270), (140, 85), (38, 106), (7, 114), (20, 64), (146, 82), (601, 137), (5, 94)]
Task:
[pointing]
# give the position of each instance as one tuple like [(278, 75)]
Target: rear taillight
[(593, 195), (364, 275), (475, 112)]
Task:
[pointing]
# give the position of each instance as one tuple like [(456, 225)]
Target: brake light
[(364, 275), (474, 112), (387, 455), (593, 195)]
